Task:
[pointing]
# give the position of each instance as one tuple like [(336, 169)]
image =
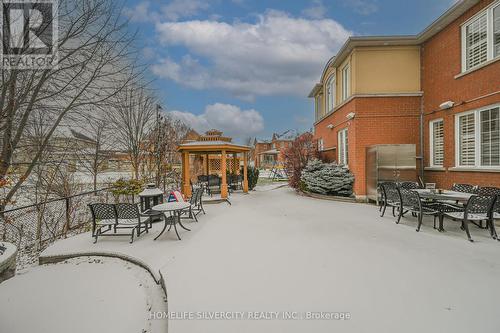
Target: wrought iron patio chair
[(214, 184), (411, 202), (495, 213), (478, 208), (409, 185), (391, 197), (129, 217), (198, 204), (192, 211), (103, 216), (464, 188), (488, 191), (494, 191)]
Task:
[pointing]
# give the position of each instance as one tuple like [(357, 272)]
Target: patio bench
[(108, 218)]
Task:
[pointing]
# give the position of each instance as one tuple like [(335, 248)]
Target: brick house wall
[(378, 120), (441, 62)]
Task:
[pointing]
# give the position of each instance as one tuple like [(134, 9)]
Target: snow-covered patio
[(275, 251)]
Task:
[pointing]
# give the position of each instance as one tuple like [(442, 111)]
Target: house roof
[(270, 152), (454, 12)]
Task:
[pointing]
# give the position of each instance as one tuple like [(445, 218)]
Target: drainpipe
[(421, 157)]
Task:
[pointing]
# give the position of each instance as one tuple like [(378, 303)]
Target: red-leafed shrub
[(297, 156)]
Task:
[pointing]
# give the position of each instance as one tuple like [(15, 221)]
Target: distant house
[(375, 90), (266, 154), (72, 149)]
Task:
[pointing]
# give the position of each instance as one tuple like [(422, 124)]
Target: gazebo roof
[(212, 142), (212, 146)]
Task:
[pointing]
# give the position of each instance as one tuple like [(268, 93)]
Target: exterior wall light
[(330, 126), (447, 105), (350, 115)]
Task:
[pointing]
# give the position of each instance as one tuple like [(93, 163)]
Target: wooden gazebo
[(213, 143)]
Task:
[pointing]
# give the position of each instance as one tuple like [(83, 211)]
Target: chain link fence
[(33, 228)]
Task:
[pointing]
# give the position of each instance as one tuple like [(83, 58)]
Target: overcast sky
[(247, 66)]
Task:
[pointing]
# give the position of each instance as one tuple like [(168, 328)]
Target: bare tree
[(133, 119), (93, 156), (165, 138), (95, 64)]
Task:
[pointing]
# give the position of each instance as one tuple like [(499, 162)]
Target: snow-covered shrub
[(327, 178)]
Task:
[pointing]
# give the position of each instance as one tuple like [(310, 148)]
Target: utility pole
[(158, 144)]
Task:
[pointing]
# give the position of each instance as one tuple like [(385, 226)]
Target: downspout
[(421, 157)]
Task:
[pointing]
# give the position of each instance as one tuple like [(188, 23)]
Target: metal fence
[(33, 228)]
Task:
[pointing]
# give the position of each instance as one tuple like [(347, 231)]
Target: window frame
[(321, 145), (477, 139), (317, 107), (331, 87), (346, 81), (488, 11), (343, 146), (432, 163)]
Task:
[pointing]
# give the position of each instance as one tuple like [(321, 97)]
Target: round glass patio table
[(444, 198), (175, 208)]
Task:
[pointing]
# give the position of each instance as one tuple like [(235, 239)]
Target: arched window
[(330, 93)]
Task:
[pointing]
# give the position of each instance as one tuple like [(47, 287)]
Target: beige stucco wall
[(386, 70), (376, 70)]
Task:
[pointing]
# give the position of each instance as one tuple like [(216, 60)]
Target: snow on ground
[(86, 294), (102, 178), (275, 251)]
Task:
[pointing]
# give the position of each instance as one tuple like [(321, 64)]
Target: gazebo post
[(207, 165), (245, 172), (186, 186), (223, 165)]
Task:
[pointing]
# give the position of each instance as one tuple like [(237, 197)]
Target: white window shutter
[(476, 41), (467, 144), (490, 137), (438, 143)]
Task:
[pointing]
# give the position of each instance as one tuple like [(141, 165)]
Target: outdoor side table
[(175, 208)]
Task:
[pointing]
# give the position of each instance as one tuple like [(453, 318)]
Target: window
[(330, 93), (490, 137), (343, 147), (496, 31), (478, 138), (481, 38), (437, 142), (317, 106), (346, 82), (321, 145)]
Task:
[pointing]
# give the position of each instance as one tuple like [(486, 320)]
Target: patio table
[(443, 199), (176, 209)]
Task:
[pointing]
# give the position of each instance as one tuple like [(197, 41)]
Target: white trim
[(321, 145), (431, 143), (477, 134), (331, 91), (375, 95), (343, 147), (488, 12), (346, 81)]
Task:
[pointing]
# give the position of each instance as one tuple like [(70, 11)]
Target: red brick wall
[(378, 120), (259, 148), (441, 62)]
